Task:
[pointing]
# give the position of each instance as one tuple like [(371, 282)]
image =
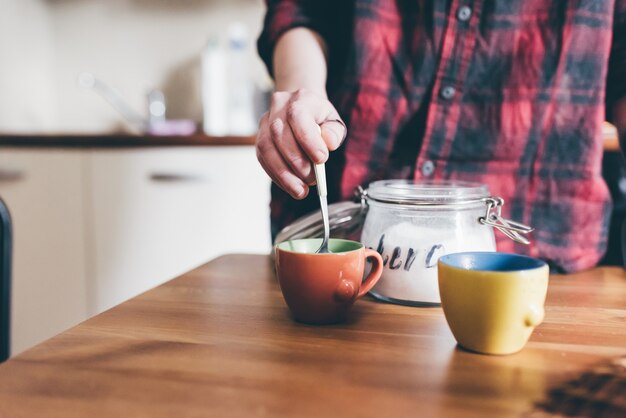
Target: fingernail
[(298, 191)]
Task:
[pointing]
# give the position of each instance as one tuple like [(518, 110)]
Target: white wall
[(130, 44), (26, 76)]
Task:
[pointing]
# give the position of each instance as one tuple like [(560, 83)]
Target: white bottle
[(215, 89), (241, 119)]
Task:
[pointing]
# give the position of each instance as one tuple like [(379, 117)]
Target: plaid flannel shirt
[(510, 93)]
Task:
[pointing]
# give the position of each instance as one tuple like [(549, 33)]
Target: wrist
[(293, 84), (300, 62), (292, 88)]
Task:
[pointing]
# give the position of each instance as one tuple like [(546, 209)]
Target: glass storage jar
[(413, 224)]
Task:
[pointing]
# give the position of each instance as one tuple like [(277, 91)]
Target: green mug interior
[(310, 245)]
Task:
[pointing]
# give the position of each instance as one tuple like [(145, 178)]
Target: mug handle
[(374, 276), (534, 316)]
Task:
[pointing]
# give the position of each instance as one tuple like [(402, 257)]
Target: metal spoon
[(320, 179), (322, 192)]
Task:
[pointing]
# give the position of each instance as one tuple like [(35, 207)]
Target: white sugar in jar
[(412, 224)]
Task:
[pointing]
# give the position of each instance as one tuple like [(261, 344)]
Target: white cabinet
[(160, 212), (93, 228), (43, 190)]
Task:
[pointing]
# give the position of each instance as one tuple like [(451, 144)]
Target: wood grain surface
[(219, 342), (610, 136)]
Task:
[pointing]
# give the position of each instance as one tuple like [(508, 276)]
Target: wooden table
[(218, 341), (610, 136)]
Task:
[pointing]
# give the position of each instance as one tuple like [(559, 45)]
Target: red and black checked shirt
[(510, 93)]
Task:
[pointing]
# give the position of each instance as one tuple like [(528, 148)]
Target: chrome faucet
[(154, 123), (156, 102), (156, 106)]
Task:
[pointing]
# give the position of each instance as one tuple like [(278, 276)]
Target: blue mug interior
[(491, 261)]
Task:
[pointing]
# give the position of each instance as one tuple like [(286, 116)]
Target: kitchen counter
[(219, 341), (118, 140), (611, 142)]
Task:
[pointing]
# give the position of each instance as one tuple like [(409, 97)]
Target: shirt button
[(428, 168), (464, 13), (447, 92)]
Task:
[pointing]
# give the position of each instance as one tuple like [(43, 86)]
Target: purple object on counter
[(172, 127)]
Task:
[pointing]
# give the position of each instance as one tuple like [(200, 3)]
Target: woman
[(507, 93)]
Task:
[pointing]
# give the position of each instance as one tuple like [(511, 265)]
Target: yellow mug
[(492, 301)]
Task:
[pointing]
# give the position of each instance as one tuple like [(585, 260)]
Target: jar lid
[(345, 218), (441, 192)]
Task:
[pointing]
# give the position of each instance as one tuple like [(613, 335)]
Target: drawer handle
[(9, 176), (175, 178)]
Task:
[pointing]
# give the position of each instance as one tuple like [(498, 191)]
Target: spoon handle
[(320, 175), (320, 179)]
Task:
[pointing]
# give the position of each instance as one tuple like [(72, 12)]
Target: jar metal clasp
[(493, 217), (359, 195)]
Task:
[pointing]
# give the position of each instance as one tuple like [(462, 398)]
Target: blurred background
[(131, 45), (127, 158)]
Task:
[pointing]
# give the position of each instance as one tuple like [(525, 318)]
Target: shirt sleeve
[(283, 15), (616, 77)]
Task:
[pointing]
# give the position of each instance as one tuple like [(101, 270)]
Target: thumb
[(333, 132)]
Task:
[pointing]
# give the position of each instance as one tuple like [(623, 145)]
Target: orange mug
[(321, 288)]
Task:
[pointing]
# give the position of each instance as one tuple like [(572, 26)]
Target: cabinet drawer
[(160, 212)]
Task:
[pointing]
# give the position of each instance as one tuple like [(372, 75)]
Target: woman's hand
[(290, 139)]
